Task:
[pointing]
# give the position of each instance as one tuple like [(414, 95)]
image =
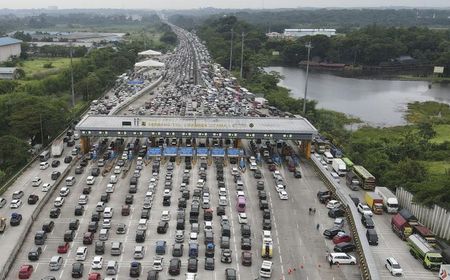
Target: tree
[(13, 152), (426, 130), (7, 86)]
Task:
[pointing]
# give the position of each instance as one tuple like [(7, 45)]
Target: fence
[(436, 218)]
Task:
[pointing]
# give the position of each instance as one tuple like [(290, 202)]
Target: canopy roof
[(150, 53), (149, 63)]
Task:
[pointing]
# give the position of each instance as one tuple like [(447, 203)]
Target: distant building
[(8, 73), (309, 32), (9, 47)]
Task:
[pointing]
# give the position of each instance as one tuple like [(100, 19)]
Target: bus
[(44, 156), (328, 157), (240, 204), (348, 163), (367, 180)]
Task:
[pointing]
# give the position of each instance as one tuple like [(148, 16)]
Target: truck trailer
[(374, 201), (401, 226), (339, 167), (420, 249), (425, 233), (408, 216), (390, 201), (57, 148)]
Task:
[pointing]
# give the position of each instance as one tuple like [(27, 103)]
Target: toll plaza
[(228, 128)]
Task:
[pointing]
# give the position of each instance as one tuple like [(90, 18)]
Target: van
[(372, 237), (81, 254), (70, 181), (111, 268), (193, 250), (116, 248), (40, 237), (55, 263), (104, 234)]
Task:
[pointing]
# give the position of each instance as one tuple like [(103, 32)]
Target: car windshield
[(396, 265)]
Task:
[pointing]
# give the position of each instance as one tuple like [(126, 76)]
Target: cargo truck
[(401, 226), (57, 148), (390, 201), (352, 181), (425, 233), (339, 167), (374, 201), (367, 180), (409, 217), (420, 249)]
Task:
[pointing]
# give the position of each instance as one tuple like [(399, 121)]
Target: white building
[(9, 47), (309, 32)]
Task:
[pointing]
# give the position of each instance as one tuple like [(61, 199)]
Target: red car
[(63, 248), (25, 271), (272, 167), (94, 276), (341, 237)]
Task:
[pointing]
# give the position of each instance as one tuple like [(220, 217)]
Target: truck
[(339, 167), (425, 233), (367, 180), (420, 249), (444, 272), (337, 153), (2, 224), (401, 226), (57, 148), (390, 201), (374, 201), (352, 180), (409, 217)]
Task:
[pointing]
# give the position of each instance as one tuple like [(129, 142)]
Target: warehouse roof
[(6, 41)]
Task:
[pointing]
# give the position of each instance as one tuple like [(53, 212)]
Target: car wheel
[(352, 262)]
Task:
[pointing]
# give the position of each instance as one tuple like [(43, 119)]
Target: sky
[(189, 4)]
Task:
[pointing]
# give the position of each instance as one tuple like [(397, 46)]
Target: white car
[(83, 199), (113, 179), (117, 169), (394, 267), (59, 201), (223, 201), (324, 164), (64, 191), (106, 223), (108, 212), (46, 187), (222, 192), (364, 209), (43, 165), (90, 180), (276, 173), (36, 182), (279, 188), (157, 263), (266, 269), (97, 262), (234, 171), (193, 236), (165, 215), (333, 204), (110, 188), (167, 192), (15, 203), (208, 226), (242, 217), (283, 195), (240, 193), (341, 258)]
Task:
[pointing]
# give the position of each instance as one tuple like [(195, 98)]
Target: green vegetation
[(36, 67), (442, 133)]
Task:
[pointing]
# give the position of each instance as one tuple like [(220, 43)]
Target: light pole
[(71, 76), (242, 53), (309, 47), (231, 50)]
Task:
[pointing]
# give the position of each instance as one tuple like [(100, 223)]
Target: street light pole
[(231, 49), (242, 53), (71, 76), (308, 46)]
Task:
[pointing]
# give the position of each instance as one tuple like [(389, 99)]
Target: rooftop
[(7, 70), (5, 41)]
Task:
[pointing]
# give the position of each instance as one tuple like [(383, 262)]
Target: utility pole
[(231, 50), (42, 130), (242, 53), (71, 76), (309, 47)]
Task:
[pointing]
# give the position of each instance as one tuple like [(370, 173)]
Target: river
[(376, 102)]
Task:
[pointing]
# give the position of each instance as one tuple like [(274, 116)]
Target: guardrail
[(366, 260)]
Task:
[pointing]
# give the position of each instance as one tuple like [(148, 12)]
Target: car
[(162, 227), (79, 210), (55, 212), (55, 175), (242, 217), (336, 213), (77, 270), (34, 254), (63, 248), (55, 163), (83, 199), (25, 271), (110, 188), (393, 267), (332, 232), (364, 209), (129, 199), (341, 258), (15, 220), (121, 228), (367, 221), (15, 203), (48, 226), (279, 188), (341, 237), (223, 201), (74, 224), (344, 247), (36, 182), (220, 210), (95, 171), (246, 243), (246, 258), (94, 276), (59, 201), (174, 267), (333, 204), (106, 223), (226, 256), (46, 187), (297, 173), (230, 274), (135, 269), (157, 263), (43, 165), (97, 262), (192, 265), (64, 191), (18, 194), (283, 195), (90, 180), (33, 199), (79, 169), (177, 250), (68, 159)]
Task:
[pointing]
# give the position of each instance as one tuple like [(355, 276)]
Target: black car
[(162, 227), (95, 171), (32, 199), (129, 199), (267, 224), (263, 204), (93, 226), (266, 214), (54, 213), (140, 235), (323, 193), (262, 195), (95, 217), (257, 174), (174, 266), (246, 243), (344, 247), (192, 265), (84, 162), (74, 224), (77, 270), (135, 269), (55, 175), (336, 213), (145, 214), (55, 163), (69, 235), (209, 263), (48, 226), (99, 247), (79, 169), (34, 254), (297, 173), (220, 210), (105, 197), (152, 275), (332, 232), (182, 203), (367, 221), (166, 201), (245, 230), (15, 220), (79, 210), (67, 159)]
